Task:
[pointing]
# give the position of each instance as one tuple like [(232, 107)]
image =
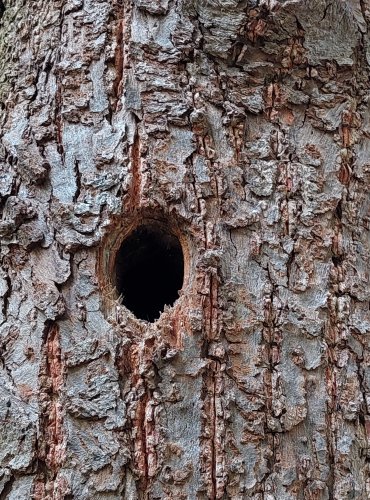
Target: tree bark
[(244, 128)]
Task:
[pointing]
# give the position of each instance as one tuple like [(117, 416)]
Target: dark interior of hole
[(149, 271)]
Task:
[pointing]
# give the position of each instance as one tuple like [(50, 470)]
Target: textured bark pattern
[(246, 126)]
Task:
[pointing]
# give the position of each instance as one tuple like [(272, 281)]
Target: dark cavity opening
[(149, 271)]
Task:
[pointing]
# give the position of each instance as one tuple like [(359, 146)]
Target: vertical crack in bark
[(269, 325), (78, 180), (119, 62), (215, 483), (58, 120), (58, 99), (135, 190), (2, 9), (7, 488), (145, 454), (214, 432), (142, 423), (6, 296), (213, 299), (142, 451), (50, 441)]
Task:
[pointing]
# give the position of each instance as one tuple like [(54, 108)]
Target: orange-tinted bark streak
[(50, 441)]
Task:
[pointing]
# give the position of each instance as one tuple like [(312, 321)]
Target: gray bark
[(245, 126)]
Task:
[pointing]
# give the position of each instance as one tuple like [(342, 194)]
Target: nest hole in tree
[(149, 270)]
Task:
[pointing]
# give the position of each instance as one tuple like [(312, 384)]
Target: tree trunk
[(241, 130)]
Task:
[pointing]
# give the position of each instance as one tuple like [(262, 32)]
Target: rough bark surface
[(245, 125)]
